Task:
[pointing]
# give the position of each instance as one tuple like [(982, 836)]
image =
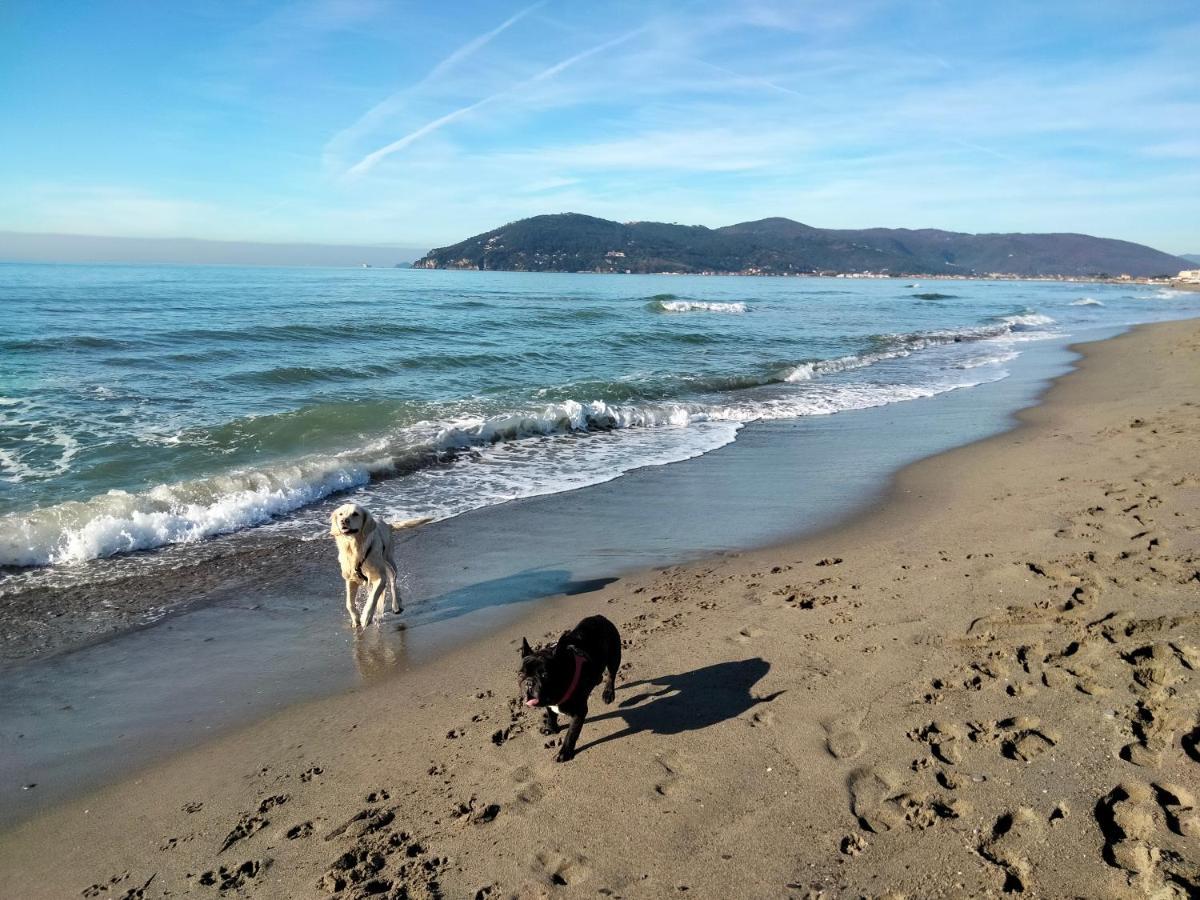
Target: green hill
[(571, 242)]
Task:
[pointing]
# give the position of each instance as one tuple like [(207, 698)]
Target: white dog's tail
[(410, 523)]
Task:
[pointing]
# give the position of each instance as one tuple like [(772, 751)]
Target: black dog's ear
[(526, 650)]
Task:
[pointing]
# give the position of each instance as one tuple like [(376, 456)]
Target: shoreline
[(841, 739), (262, 615)]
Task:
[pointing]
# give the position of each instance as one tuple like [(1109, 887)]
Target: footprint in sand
[(560, 870), (879, 801), (1157, 715), (97, 889), (1008, 847), (761, 719), (365, 864), (529, 789), (1021, 738), (945, 740), (1191, 744), (246, 826), (1150, 833), (229, 879), (843, 739), (303, 830), (747, 634), (670, 778)]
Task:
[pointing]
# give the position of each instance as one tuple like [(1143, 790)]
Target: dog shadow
[(688, 701)]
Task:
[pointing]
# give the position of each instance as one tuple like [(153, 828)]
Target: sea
[(149, 407)]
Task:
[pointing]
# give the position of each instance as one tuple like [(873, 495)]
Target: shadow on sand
[(689, 701), (531, 584)]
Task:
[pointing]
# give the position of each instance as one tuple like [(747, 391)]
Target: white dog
[(365, 547)]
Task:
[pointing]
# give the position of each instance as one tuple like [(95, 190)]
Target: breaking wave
[(669, 303)]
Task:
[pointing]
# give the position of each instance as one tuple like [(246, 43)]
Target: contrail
[(369, 161), (385, 107), (471, 46)]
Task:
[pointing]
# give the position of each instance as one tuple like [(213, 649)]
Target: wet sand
[(988, 683)]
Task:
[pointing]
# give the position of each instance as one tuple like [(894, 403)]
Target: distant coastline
[(1165, 281), (572, 242)]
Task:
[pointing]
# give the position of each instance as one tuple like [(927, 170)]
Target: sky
[(419, 124)]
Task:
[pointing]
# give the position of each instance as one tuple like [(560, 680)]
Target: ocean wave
[(897, 346), (684, 306), (189, 512), (285, 375), (933, 295), (1086, 301), (1027, 321), (369, 326), (122, 522), (66, 342)]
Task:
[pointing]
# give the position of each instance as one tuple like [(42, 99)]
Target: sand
[(986, 684)]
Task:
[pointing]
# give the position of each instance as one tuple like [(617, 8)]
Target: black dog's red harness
[(579, 660)]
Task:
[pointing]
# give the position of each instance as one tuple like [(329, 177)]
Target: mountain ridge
[(573, 242)]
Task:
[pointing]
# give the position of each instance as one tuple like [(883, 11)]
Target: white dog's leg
[(391, 577), (374, 592), (351, 593)]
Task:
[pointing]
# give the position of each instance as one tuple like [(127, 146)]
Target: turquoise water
[(147, 406)]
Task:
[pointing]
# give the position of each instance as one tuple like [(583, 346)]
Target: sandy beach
[(985, 684)]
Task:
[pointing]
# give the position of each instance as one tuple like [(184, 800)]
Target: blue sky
[(364, 121)]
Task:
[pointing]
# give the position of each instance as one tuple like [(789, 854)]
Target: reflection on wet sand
[(379, 651)]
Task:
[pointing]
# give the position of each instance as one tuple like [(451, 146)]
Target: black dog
[(561, 677)]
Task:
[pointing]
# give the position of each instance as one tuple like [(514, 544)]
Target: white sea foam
[(986, 359), (1027, 321), (898, 346), (683, 306), (120, 522), (1086, 301), (809, 370), (42, 450)]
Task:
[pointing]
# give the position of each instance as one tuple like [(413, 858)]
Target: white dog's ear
[(526, 650), (333, 529)]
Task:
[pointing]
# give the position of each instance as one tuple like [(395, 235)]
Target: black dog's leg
[(567, 751), (614, 663), (550, 722)]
